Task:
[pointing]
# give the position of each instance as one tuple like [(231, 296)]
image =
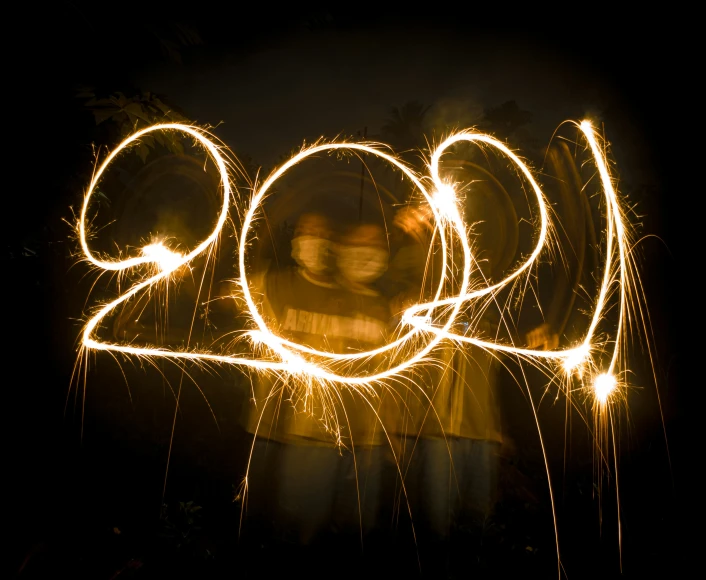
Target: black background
[(68, 489)]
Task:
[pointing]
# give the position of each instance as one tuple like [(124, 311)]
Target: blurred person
[(290, 467), (362, 257), (450, 434), (325, 302), (410, 278)]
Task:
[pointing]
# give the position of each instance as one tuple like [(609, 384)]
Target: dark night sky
[(272, 81)]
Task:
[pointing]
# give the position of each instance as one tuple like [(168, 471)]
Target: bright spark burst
[(446, 201), (163, 257), (575, 360), (603, 386)]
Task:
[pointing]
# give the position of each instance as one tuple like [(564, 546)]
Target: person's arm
[(408, 266)]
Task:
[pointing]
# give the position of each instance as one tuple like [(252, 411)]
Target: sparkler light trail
[(597, 360), (444, 204)]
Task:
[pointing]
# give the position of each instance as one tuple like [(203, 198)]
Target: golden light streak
[(326, 367)]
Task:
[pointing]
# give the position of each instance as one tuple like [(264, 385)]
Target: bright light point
[(414, 320), (163, 256), (576, 358), (257, 337), (605, 384), (445, 200), (297, 364)]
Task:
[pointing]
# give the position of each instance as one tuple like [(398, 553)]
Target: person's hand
[(541, 338), (414, 220)]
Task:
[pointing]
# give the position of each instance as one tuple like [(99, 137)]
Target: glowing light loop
[(443, 202)]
